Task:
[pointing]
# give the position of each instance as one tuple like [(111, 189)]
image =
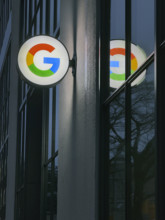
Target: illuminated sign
[(43, 60), (117, 63)]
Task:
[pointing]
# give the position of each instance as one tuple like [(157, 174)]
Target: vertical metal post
[(160, 108), (104, 7), (128, 111)]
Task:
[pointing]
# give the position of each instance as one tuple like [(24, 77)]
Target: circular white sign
[(43, 60), (117, 63)]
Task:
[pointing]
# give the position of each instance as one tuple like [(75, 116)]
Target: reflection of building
[(82, 150)]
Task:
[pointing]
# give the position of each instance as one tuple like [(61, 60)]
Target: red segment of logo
[(38, 47), (121, 51)]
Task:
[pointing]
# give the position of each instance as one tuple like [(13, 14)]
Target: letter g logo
[(49, 60), (43, 60)]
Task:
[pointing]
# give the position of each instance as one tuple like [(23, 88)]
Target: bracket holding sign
[(44, 61)]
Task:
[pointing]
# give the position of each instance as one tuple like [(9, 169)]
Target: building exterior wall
[(83, 150), (78, 118)]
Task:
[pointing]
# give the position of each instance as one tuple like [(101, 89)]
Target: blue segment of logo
[(114, 64), (54, 61)]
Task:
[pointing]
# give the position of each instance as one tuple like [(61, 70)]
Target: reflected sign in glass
[(117, 63), (43, 60)]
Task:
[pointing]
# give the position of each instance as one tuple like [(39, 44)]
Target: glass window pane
[(117, 158), (48, 190), (117, 32), (117, 22), (143, 148), (43, 16), (143, 24), (52, 15), (51, 189), (54, 187), (38, 22)]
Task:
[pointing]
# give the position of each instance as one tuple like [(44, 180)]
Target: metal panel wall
[(78, 116)]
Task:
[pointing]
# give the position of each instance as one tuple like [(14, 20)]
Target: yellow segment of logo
[(134, 64), (29, 59)]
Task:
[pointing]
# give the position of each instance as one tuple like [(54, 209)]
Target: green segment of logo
[(38, 72), (119, 77)]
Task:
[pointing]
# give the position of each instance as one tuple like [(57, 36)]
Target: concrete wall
[(78, 114)]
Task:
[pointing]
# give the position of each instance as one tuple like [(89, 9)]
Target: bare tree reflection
[(142, 154)]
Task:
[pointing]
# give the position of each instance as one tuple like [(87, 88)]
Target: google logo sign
[(117, 63), (43, 60)]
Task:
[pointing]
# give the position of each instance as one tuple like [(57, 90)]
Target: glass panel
[(54, 188), (0, 198), (143, 148), (38, 22), (117, 19), (48, 191), (52, 13), (143, 24), (20, 205), (44, 17), (117, 31), (33, 8), (117, 159), (51, 194)]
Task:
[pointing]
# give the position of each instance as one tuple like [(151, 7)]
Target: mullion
[(44, 153), (160, 108), (128, 111), (54, 121), (50, 122), (104, 10)]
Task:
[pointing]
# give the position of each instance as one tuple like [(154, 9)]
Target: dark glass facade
[(5, 8), (37, 150), (132, 146), (131, 164), (4, 120)]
